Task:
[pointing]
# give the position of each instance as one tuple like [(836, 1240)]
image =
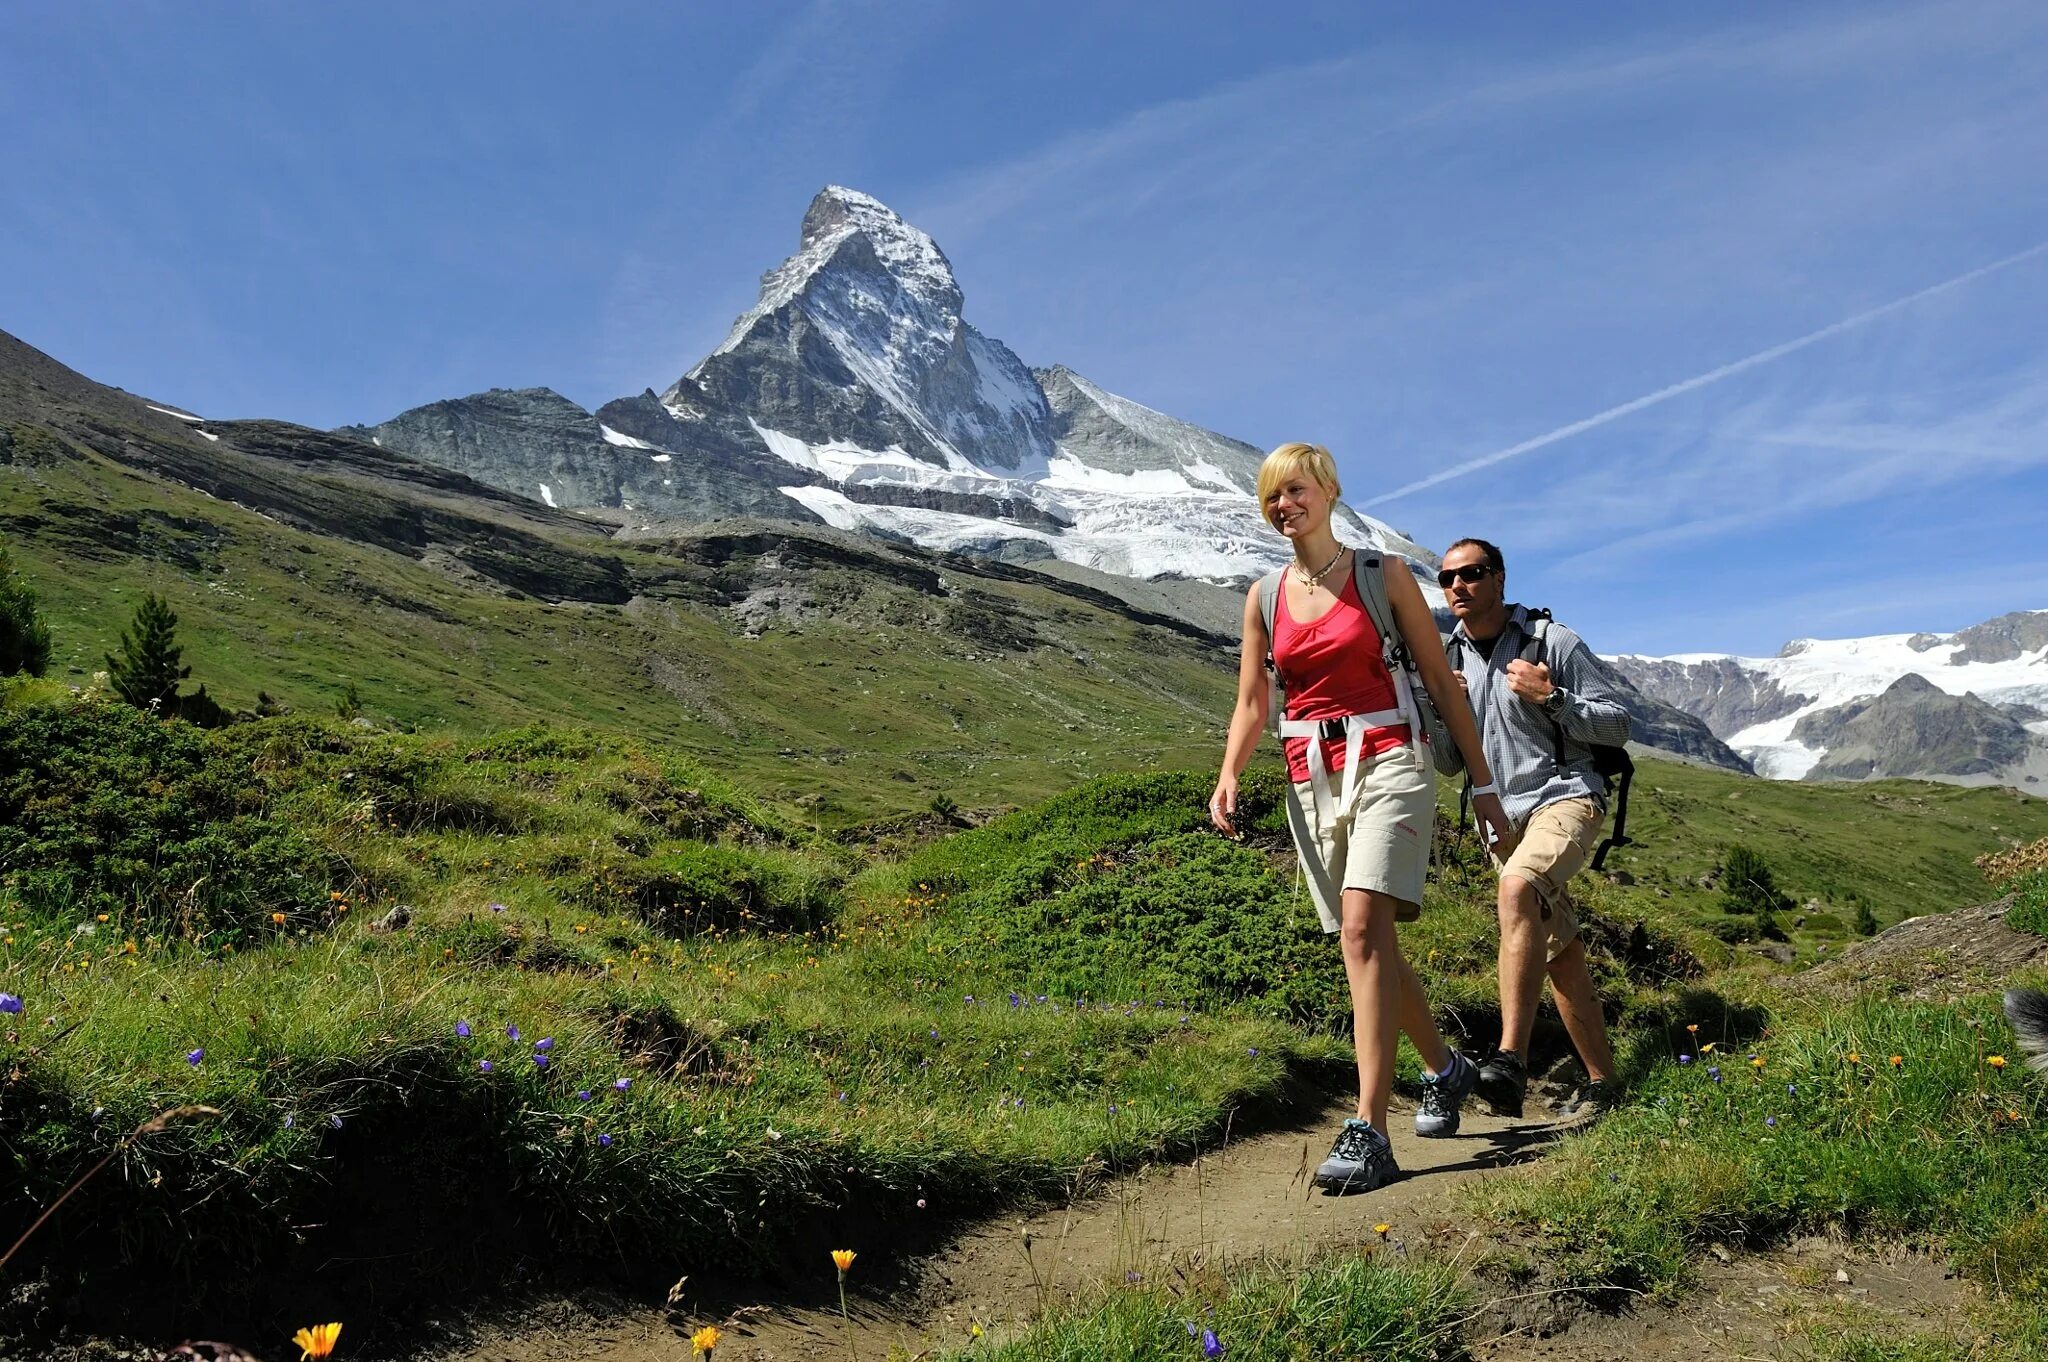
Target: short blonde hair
[(1293, 460)]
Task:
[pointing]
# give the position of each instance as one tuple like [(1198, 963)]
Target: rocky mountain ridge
[(855, 393), (1966, 707)]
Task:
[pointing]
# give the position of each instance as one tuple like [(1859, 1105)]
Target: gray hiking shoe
[(1503, 1082), (1442, 1094), (1588, 1102), (1359, 1161)]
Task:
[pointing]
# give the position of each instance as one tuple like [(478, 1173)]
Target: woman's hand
[(1223, 804), (1494, 827)]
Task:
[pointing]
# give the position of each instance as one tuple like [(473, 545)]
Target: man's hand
[(1494, 828), (1223, 805), (1530, 680)]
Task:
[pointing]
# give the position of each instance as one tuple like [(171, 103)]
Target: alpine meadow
[(740, 870)]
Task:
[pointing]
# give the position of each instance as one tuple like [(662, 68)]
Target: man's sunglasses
[(1468, 574)]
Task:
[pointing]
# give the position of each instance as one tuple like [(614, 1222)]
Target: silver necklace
[(1316, 579)]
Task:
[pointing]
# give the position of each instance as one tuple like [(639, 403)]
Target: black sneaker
[(1588, 1102), (1359, 1161), (1442, 1094), (1503, 1082)]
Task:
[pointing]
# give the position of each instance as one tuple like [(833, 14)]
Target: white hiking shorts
[(1381, 842)]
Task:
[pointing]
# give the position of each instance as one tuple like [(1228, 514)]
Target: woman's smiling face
[(1298, 507)]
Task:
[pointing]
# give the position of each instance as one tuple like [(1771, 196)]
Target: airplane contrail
[(1702, 380)]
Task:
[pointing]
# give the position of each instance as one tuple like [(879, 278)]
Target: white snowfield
[(1148, 523), (1836, 671)]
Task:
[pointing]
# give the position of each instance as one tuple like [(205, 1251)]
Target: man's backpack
[(1614, 766), (1368, 572)]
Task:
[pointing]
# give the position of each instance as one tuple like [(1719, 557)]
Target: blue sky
[(1420, 234)]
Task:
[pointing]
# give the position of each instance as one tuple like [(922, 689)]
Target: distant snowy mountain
[(854, 392), (1809, 711)]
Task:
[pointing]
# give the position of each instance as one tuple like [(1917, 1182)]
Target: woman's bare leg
[(1373, 966), (1416, 1020)]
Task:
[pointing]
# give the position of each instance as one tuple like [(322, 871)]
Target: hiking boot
[(1442, 1095), (1588, 1102), (1503, 1082), (1360, 1160)]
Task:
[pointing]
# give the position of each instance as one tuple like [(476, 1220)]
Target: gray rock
[(1913, 729)]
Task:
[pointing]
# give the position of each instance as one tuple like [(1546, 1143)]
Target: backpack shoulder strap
[(1535, 651), (1269, 596), (1369, 571), (1537, 630)]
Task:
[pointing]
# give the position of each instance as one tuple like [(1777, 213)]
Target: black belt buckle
[(1332, 730)]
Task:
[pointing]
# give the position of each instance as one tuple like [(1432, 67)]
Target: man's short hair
[(1492, 552)]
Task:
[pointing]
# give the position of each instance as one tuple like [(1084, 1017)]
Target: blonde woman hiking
[(1348, 635)]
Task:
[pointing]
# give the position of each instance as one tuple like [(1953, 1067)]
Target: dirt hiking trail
[(1250, 1198)]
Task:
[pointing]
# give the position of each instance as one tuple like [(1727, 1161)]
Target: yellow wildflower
[(1996, 1061), (1897, 1060), (1757, 1063), (843, 1258), (1707, 1049), (974, 1329), (704, 1340), (317, 1341), (278, 918), (1855, 1058), (1693, 1027), (1383, 1229)]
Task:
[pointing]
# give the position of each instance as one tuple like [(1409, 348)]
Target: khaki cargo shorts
[(1380, 843), (1556, 840)]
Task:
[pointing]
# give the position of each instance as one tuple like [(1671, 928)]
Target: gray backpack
[(1369, 572)]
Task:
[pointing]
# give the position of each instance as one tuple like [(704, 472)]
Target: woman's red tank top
[(1331, 667)]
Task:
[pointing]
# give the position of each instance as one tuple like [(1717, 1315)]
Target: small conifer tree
[(1747, 885), (1866, 921), (145, 672), (350, 704), (24, 636)]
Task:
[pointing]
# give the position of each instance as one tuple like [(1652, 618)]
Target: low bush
[(150, 826)]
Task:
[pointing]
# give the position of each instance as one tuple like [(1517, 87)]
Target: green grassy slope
[(875, 680)]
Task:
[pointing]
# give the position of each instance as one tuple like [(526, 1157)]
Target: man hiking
[(1542, 708)]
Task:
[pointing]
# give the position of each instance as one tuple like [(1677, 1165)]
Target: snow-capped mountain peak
[(854, 392), (1777, 711)]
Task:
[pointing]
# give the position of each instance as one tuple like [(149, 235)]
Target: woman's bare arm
[(1254, 700)]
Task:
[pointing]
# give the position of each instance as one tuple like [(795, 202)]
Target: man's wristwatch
[(1553, 703)]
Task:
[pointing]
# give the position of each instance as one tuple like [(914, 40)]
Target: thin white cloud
[(1711, 376)]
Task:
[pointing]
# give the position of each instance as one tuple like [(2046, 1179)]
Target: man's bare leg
[(1571, 982), (1524, 942)]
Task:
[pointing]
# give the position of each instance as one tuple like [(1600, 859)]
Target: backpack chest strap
[(1352, 729)]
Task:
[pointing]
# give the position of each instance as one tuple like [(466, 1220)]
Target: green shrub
[(156, 825), (1118, 891), (24, 636), (687, 887), (2029, 911), (1747, 885)]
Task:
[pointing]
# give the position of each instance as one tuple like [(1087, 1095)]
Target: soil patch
[(1251, 1198), (1940, 957), (1752, 1306)]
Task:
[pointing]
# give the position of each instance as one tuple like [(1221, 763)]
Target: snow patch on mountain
[(613, 437), (1833, 672)]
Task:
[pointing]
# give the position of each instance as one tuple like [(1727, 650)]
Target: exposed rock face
[(859, 335), (855, 392), (524, 440), (2003, 639), (1653, 723), (1719, 690), (1914, 728), (537, 443)]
